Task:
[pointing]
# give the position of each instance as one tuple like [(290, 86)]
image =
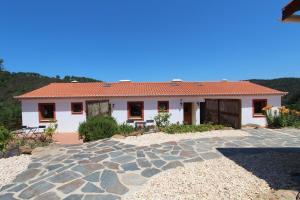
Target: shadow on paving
[(279, 167)]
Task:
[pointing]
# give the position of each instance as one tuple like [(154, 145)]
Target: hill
[(13, 84), (290, 85)]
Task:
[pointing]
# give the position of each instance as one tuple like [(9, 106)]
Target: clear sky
[(149, 40)]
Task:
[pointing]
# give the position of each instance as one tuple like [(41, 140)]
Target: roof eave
[(166, 95)]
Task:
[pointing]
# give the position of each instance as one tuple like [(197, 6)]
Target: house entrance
[(223, 111), (187, 113)]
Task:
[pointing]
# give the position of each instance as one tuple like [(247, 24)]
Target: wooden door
[(97, 108), (230, 112), (187, 113), (223, 111)]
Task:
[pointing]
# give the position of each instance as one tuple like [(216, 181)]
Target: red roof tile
[(126, 89)]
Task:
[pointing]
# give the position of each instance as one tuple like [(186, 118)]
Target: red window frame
[(253, 107), (45, 120), (135, 118), (159, 102), (72, 106)]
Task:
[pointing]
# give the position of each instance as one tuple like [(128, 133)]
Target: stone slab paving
[(108, 169)]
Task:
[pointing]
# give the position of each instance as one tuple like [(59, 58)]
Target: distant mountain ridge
[(290, 85)]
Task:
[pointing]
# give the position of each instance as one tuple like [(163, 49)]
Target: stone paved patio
[(108, 169)]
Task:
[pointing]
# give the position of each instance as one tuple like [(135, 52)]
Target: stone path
[(108, 169)]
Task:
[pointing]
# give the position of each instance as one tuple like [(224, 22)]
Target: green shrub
[(297, 124), (125, 129), (96, 128), (162, 119), (176, 128), (50, 130), (5, 138), (283, 118)]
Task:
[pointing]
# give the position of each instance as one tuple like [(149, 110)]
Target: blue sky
[(150, 40)]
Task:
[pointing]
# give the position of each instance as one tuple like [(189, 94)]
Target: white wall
[(119, 110), (66, 121), (247, 109), (69, 123)]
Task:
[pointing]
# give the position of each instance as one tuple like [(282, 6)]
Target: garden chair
[(151, 125), (140, 124), (150, 122), (23, 132), (130, 122), (38, 131)]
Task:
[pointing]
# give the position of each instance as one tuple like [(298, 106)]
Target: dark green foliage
[(293, 106), (125, 129), (290, 85), (1, 65), (77, 78), (5, 137), (297, 124), (96, 128), (14, 84), (180, 128)]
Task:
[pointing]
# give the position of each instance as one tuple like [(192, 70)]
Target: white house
[(231, 103)]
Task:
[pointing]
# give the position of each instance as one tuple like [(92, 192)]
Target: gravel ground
[(11, 167), (213, 179), (160, 137), (259, 176)]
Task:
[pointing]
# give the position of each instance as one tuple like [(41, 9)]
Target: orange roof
[(135, 89)]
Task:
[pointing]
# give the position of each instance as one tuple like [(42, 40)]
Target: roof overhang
[(142, 96), (288, 12)]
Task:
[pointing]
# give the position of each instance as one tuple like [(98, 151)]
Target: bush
[(176, 128), (50, 130), (98, 127), (125, 129), (162, 119), (297, 124), (283, 118), (5, 138)]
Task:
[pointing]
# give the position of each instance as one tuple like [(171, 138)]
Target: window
[(258, 105), (163, 106), (46, 112), (136, 110), (77, 108)]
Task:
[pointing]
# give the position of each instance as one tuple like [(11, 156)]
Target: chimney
[(177, 80), (124, 81)]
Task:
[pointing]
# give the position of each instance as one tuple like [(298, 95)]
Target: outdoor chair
[(38, 131), (28, 132), (21, 132), (150, 122), (140, 124), (130, 121)]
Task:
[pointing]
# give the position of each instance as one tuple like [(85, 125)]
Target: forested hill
[(290, 85), (13, 84)]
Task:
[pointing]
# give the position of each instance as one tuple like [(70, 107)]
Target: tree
[(1, 65)]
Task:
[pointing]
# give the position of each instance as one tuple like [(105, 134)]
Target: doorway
[(202, 112), (187, 113), (223, 111)]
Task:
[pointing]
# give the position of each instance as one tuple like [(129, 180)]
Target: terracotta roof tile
[(124, 89)]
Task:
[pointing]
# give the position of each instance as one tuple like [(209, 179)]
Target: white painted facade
[(68, 122)]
